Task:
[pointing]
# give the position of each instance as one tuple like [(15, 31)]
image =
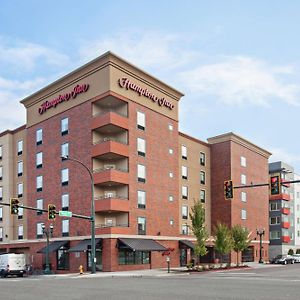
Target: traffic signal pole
[(264, 184)]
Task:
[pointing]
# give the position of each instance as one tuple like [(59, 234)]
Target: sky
[(237, 62)]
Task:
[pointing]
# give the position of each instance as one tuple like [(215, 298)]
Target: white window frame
[(184, 153), (65, 201), (1, 172), (20, 147), (184, 172), (243, 214), (39, 159), (202, 159), (185, 192), (39, 136), (64, 126), (141, 173), (202, 198), (20, 189), (141, 120), (39, 229), (243, 179), (64, 149), (141, 195), (243, 161), (141, 146), (40, 205), (20, 232), (39, 182), (65, 176), (65, 227), (184, 212), (244, 196), (20, 168)]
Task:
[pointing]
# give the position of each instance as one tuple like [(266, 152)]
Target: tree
[(198, 227), (240, 239), (224, 241)]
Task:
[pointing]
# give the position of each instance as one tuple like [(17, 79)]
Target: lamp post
[(260, 232), (93, 246), (48, 233)]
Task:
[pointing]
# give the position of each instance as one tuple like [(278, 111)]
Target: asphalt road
[(276, 283)]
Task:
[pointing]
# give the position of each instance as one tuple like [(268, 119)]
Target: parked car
[(283, 259), (296, 258)]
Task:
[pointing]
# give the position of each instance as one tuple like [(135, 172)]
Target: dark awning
[(53, 246), (140, 245), (186, 244), (85, 245)]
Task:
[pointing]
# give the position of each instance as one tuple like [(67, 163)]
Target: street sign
[(65, 213)]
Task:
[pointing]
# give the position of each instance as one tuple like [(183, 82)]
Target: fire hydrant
[(80, 269)]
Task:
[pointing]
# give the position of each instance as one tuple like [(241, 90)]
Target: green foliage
[(290, 252), (240, 239), (224, 240), (198, 227)]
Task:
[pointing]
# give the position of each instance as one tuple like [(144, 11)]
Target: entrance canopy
[(140, 245), (84, 245), (53, 246), (184, 244)]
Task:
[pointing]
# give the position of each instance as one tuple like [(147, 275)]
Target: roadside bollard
[(80, 269)]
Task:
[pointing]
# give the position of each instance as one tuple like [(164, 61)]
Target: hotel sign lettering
[(78, 89), (129, 85)]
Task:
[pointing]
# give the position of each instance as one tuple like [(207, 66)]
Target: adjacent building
[(122, 124)]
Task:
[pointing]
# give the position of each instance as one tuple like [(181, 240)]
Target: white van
[(12, 264)]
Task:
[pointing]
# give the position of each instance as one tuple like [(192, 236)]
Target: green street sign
[(65, 213)]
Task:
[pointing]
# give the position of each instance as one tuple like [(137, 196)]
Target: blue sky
[(237, 62)]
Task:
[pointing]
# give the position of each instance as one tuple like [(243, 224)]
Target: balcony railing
[(110, 197), (110, 139), (111, 225), (103, 112), (99, 170)]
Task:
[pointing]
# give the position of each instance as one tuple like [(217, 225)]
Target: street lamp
[(93, 246), (48, 233), (260, 232)]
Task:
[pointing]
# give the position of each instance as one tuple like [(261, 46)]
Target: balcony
[(108, 120), (286, 239), (111, 204), (283, 182), (112, 222), (281, 196), (110, 148), (118, 229), (111, 177), (285, 211), (285, 225)]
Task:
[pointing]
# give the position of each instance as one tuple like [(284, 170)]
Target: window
[(274, 235), (1, 152), (1, 234), (39, 183), (202, 159), (141, 225), (20, 232), (202, 196), (171, 127), (39, 136), (202, 177), (141, 173), (1, 193), (274, 206), (244, 196), (1, 172), (243, 161), (243, 179), (184, 212), (20, 168), (141, 120), (64, 126), (20, 189), (184, 229), (1, 213), (171, 222), (20, 147), (171, 175), (62, 258), (171, 151), (40, 205), (171, 198), (39, 160), (275, 220), (128, 257), (243, 214), (65, 202), (65, 150), (183, 152), (184, 191), (184, 172), (141, 199), (141, 147), (65, 227), (39, 230), (64, 176)]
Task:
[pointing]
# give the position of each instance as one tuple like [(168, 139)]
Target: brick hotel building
[(123, 124)]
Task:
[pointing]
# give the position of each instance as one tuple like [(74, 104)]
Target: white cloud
[(146, 49), (26, 56), (241, 80), (279, 154)]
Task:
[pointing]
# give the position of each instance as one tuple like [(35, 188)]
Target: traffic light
[(275, 185), (14, 206), (228, 189), (51, 212)]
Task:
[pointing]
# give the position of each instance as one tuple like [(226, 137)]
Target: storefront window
[(127, 257), (62, 258)]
